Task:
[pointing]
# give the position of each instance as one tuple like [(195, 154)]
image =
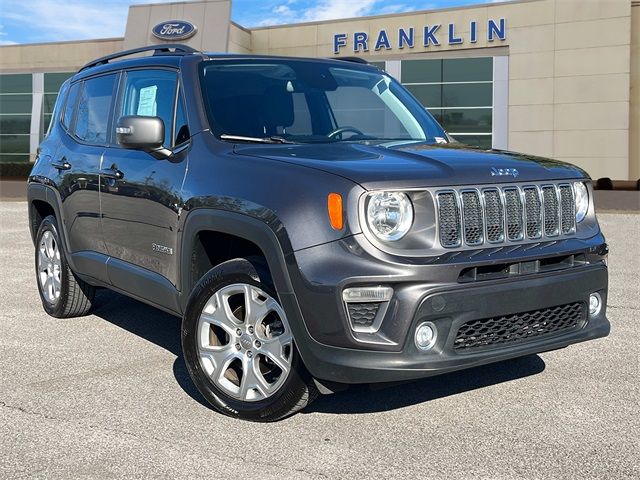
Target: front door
[(141, 194)]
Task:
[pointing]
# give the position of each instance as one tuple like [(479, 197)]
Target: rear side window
[(67, 114), (92, 113), (151, 93)]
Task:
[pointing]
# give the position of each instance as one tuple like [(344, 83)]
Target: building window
[(15, 117), (458, 92), (52, 84)]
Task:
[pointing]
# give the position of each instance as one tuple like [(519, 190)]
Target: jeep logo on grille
[(174, 30), (502, 172)]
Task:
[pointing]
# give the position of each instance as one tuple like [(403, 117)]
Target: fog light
[(425, 336), (367, 294), (595, 304)]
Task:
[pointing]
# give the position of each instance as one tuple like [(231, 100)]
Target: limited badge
[(161, 249)]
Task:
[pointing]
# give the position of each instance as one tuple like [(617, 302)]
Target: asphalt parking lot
[(108, 396)]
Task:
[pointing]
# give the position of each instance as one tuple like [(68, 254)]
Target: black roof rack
[(178, 49), (351, 59)]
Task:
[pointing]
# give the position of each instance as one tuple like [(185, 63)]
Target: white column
[(37, 95), (392, 67), (500, 129)]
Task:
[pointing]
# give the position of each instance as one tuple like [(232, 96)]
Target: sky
[(33, 21)]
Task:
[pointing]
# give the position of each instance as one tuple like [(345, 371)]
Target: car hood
[(414, 165)]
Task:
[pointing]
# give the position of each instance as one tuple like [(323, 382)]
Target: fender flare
[(239, 225), (277, 249), (46, 194)]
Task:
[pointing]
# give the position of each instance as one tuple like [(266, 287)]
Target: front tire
[(239, 348), (63, 294)]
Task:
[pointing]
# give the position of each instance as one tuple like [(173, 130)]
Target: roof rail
[(178, 49), (351, 59)]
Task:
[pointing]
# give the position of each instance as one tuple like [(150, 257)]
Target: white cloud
[(332, 9), (283, 10), (324, 10), (47, 20)]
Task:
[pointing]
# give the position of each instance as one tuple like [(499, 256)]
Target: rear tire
[(238, 346), (63, 294)]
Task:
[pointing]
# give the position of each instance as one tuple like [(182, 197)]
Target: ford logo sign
[(174, 30)]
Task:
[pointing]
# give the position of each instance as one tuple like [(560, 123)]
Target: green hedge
[(15, 170)]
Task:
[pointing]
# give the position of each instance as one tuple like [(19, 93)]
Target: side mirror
[(140, 133)]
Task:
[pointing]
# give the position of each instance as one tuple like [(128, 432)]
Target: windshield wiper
[(241, 138)]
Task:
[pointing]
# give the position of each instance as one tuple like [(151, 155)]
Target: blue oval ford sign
[(174, 30)]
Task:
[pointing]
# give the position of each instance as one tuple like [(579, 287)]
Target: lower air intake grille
[(519, 327), (363, 314)]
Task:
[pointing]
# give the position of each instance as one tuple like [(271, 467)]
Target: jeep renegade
[(310, 222)]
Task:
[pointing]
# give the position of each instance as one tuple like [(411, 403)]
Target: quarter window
[(67, 115), (92, 112), (181, 134), (53, 82), (151, 93)]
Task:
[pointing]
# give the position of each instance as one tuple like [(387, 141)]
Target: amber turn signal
[(334, 207)]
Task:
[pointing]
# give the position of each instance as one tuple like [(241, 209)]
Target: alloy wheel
[(49, 267), (244, 342)]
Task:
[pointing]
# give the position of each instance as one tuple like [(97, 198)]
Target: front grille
[(494, 216), (519, 327), (551, 212), (513, 213), (449, 219), (567, 209), (533, 212), (472, 215), (513, 204), (363, 314)]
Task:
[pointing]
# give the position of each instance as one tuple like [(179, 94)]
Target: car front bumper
[(333, 352)]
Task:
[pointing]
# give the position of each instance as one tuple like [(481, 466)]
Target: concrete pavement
[(108, 396)]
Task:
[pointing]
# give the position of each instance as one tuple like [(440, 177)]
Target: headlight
[(389, 215), (582, 200)]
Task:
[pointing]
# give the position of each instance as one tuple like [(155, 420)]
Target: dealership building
[(556, 78)]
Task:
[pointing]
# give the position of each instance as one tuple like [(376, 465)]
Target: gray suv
[(310, 222)]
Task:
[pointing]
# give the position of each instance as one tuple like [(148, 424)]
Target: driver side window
[(150, 93)]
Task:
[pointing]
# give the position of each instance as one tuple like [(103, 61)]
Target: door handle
[(112, 173), (61, 165)]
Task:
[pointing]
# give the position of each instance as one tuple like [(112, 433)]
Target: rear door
[(141, 200), (86, 119)]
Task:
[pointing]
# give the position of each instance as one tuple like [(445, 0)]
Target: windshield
[(306, 101)]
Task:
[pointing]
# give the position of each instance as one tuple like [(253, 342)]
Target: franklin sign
[(432, 36), (174, 30)]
